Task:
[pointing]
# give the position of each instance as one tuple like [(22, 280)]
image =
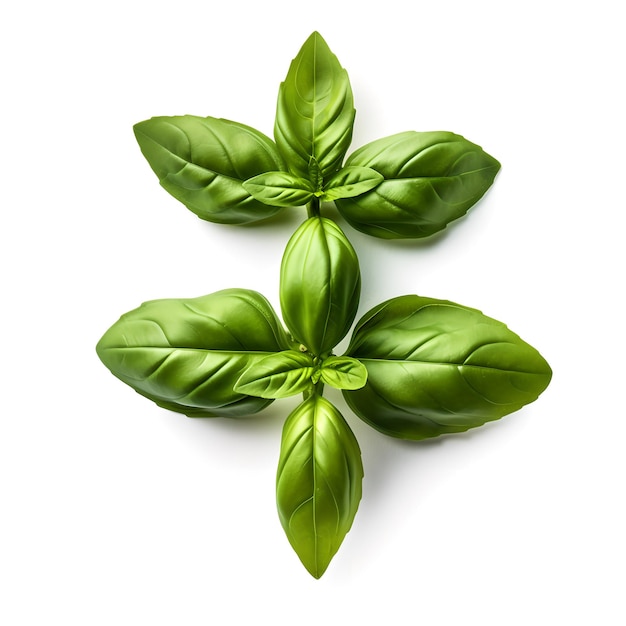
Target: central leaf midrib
[(187, 161), (448, 364), (314, 435), (170, 348), (433, 177), (314, 103)]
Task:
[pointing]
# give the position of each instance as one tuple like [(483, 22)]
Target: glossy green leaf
[(351, 181), (343, 372), (315, 111), (315, 175), (278, 375), (187, 354), (204, 161), (280, 189), (430, 179), (436, 367), (318, 484), (320, 285)]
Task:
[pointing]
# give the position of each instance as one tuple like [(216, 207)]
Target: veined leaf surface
[(204, 161), (187, 354), (278, 375), (315, 112), (280, 189), (343, 372), (351, 181), (318, 484), (320, 285), (437, 367), (430, 179)]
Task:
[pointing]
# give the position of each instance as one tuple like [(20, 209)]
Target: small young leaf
[(317, 180), (351, 181), (318, 483), (320, 285), (203, 162), (315, 111), (279, 189), (430, 179), (343, 372), (436, 367), (186, 355), (277, 375)]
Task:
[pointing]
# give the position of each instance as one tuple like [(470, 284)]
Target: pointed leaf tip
[(318, 483), (315, 111)]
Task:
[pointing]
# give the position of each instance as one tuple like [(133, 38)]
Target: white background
[(117, 512)]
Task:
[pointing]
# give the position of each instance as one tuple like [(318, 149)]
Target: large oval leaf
[(187, 355), (430, 179), (320, 285), (315, 112), (436, 367), (318, 484), (203, 162)]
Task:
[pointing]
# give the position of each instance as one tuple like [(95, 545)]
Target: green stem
[(314, 390), (313, 208)]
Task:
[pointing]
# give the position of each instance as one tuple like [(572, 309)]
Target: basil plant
[(409, 185), (415, 367)]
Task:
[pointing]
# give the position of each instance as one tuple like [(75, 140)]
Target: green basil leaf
[(430, 179), (315, 175), (315, 112), (351, 181), (436, 367), (277, 375), (320, 285), (187, 354), (343, 372), (203, 162), (318, 483), (280, 189)]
